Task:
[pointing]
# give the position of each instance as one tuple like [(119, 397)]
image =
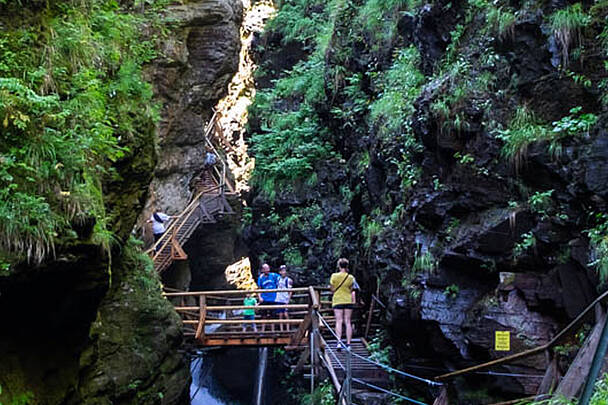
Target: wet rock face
[(133, 354), (472, 217), (199, 58)]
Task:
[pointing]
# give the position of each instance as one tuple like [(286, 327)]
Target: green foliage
[(526, 128), (451, 291), (392, 112), (23, 398), (424, 262), (71, 93), (292, 141), (379, 350), (296, 21), (576, 123), (370, 230), (599, 397), (598, 238), (464, 159), (399, 86), (501, 20), (540, 202), (293, 257), (528, 241), (566, 25), (322, 395), (523, 129), (380, 17)]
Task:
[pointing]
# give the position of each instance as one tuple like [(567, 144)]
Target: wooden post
[(311, 339), (369, 318), (200, 330), (596, 365), (349, 377)]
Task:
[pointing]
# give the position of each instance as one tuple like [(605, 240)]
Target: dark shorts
[(267, 313), (280, 310), (249, 317), (344, 306)]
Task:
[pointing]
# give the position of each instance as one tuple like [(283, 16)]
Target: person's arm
[(331, 285), (290, 285), (260, 294)]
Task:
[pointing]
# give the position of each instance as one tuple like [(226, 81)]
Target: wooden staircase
[(211, 188)]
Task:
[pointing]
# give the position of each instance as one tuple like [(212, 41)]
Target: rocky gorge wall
[(89, 325), (432, 152)]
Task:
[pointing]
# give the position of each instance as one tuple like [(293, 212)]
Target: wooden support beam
[(257, 307), (299, 335), (177, 253), (200, 330), (234, 292), (244, 321), (282, 341), (302, 360)]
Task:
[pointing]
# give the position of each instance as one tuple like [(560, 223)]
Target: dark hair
[(343, 263)]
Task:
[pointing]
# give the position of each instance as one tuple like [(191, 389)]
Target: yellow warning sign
[(502, 342)]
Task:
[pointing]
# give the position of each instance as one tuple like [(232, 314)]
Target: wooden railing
[(568, 331), (215, 318)]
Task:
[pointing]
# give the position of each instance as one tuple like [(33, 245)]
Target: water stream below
[(229, 377)]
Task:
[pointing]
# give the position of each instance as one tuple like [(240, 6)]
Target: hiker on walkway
[(210, 158), (283, 297), (267, 281), (159, 220), (341, 284), (249, 314)]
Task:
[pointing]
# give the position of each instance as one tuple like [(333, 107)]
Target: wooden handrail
[(257, 307), (553, 342), (314, 298), (234, 292), (242, 321)]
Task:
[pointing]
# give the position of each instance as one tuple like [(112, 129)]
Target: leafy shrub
[(523, 129), (540, 202), (598, 238), (528, 241), (451, 291)]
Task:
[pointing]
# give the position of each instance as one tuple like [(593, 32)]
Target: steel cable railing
[(383, 366)]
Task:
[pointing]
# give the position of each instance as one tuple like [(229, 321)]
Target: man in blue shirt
[(267, 281)]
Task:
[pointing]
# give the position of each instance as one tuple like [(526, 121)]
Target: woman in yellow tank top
[(341, 284)]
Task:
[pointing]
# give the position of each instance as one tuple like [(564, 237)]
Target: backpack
[(157, 218)]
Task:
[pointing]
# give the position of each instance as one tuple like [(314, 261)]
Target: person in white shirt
[(159, 220), (283, 297)]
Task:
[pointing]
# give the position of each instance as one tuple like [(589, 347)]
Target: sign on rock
[(502, 341)]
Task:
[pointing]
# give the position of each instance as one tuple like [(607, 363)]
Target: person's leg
[(272, 316), (281, 316), (339, 313), (286, 316), (264, 316), (349, 327)]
